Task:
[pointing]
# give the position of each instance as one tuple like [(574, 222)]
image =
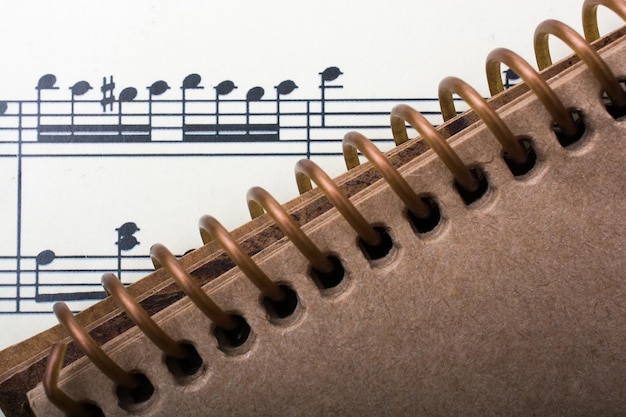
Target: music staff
[(75, 277), (189, 124), (137, 120)]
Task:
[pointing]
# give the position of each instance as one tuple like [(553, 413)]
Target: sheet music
[(122, 123)]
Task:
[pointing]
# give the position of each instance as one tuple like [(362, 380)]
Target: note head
[(45, 257), (47, 82), (192, 82), (331, 73)]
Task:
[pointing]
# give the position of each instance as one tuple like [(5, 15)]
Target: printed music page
[(122, 123)]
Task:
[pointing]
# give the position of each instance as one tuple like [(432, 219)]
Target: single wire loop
[(141, 318), (260, 200), (596, 65), (590, 15), (190, 287), (85, 342), (402, 114), (354, 141), (307, 170), (500, 130), (532, 79), (211, 226), (50, 384)]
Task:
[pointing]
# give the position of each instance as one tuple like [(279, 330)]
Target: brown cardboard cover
[(514, 305)]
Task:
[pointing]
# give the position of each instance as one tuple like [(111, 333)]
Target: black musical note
[(191, 82), (156, 89), (222, 89), (510, 75), (77, 89), (126, 96), (282, 89), (44, 257), (126, 240), (108, 98), (46, 82), (329, 74), (95, 132), (130, 132), (253, 94)]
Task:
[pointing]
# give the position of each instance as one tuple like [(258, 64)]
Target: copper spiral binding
[(540, 88), (231, 330), (577, 43), (191, 288), (209, 226), (89, 346), (57, 397), (590, 15), (140, 317), (306, 170), (354, 141), (260, 200), (402, 114), (423, 212), (494, 123)]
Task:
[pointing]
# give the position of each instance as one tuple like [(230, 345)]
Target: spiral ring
[(354, 141), (402, 114), (307, 170), (532, 79), (138, 315), (260, 200), (190, 287), (212, 227), (590, 15), (500, 130), (596, 65), (50, 380), (85, 342)]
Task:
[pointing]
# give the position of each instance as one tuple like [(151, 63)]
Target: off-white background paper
[(72, 205)]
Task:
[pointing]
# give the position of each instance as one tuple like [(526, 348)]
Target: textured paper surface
[(513, 306)]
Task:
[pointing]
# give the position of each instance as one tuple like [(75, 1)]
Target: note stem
[(150, 110), (72, 114), (217, 114), (119, 256), (119, 118), (248, 117), (184, 110), (38, 108), (323, 111)]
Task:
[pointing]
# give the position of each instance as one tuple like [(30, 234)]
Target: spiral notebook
[(506, 296)]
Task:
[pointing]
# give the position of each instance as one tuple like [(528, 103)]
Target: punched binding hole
[(130, 398), (230, 339), (188, 365), (330, 279), (374, 252), (519, 169), (91, 410), (615, 111), (566, 140), (424, 225), (283, 308), (470, 196)]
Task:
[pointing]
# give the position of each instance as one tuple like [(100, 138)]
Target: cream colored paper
[(513, 306)]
